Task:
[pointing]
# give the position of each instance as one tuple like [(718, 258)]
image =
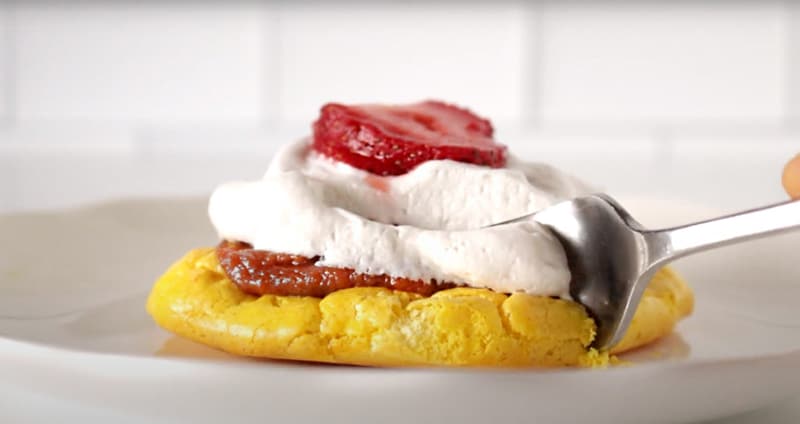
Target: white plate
[(73, 330)]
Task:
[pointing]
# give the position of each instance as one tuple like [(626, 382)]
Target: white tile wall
[(151, 62), (471, 54), (124, 98), (743, 173), (664, 61), (6, 28), (184, 74), (793, 68)]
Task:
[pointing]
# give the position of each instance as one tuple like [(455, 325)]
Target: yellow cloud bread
[(380, 327)]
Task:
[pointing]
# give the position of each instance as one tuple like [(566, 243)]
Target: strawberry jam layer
[(260, 272)]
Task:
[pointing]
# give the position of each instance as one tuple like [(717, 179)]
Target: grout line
[(271, 56), (532, 65), (678, 128), (9, 51)]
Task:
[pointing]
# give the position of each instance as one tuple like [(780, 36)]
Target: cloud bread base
[(381, 327)]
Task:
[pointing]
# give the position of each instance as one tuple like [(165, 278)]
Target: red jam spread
[(260, 272)]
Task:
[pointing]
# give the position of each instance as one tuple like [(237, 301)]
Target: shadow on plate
[(178, 347), (671, 347)]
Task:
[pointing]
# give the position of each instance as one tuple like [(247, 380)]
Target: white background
[(110, 99)]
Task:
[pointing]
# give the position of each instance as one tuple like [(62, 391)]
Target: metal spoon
[(612, 257)]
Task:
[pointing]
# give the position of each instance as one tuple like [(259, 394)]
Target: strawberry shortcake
[(368, 243)]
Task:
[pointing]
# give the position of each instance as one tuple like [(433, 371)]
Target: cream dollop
[(427, 224)]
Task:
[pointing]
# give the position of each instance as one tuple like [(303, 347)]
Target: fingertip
[(791, 177)]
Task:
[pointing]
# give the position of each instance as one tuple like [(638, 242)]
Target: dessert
[(366, 244)]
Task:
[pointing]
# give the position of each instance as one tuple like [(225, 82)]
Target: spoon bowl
[(604, 249)]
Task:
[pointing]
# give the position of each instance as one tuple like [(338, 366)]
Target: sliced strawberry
[(392, 140)]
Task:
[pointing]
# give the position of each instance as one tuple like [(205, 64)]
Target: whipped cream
[(427, 224)]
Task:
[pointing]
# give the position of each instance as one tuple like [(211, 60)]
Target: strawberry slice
[(392, 140)]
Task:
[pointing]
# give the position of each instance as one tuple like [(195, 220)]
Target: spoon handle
[(672, 243)]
